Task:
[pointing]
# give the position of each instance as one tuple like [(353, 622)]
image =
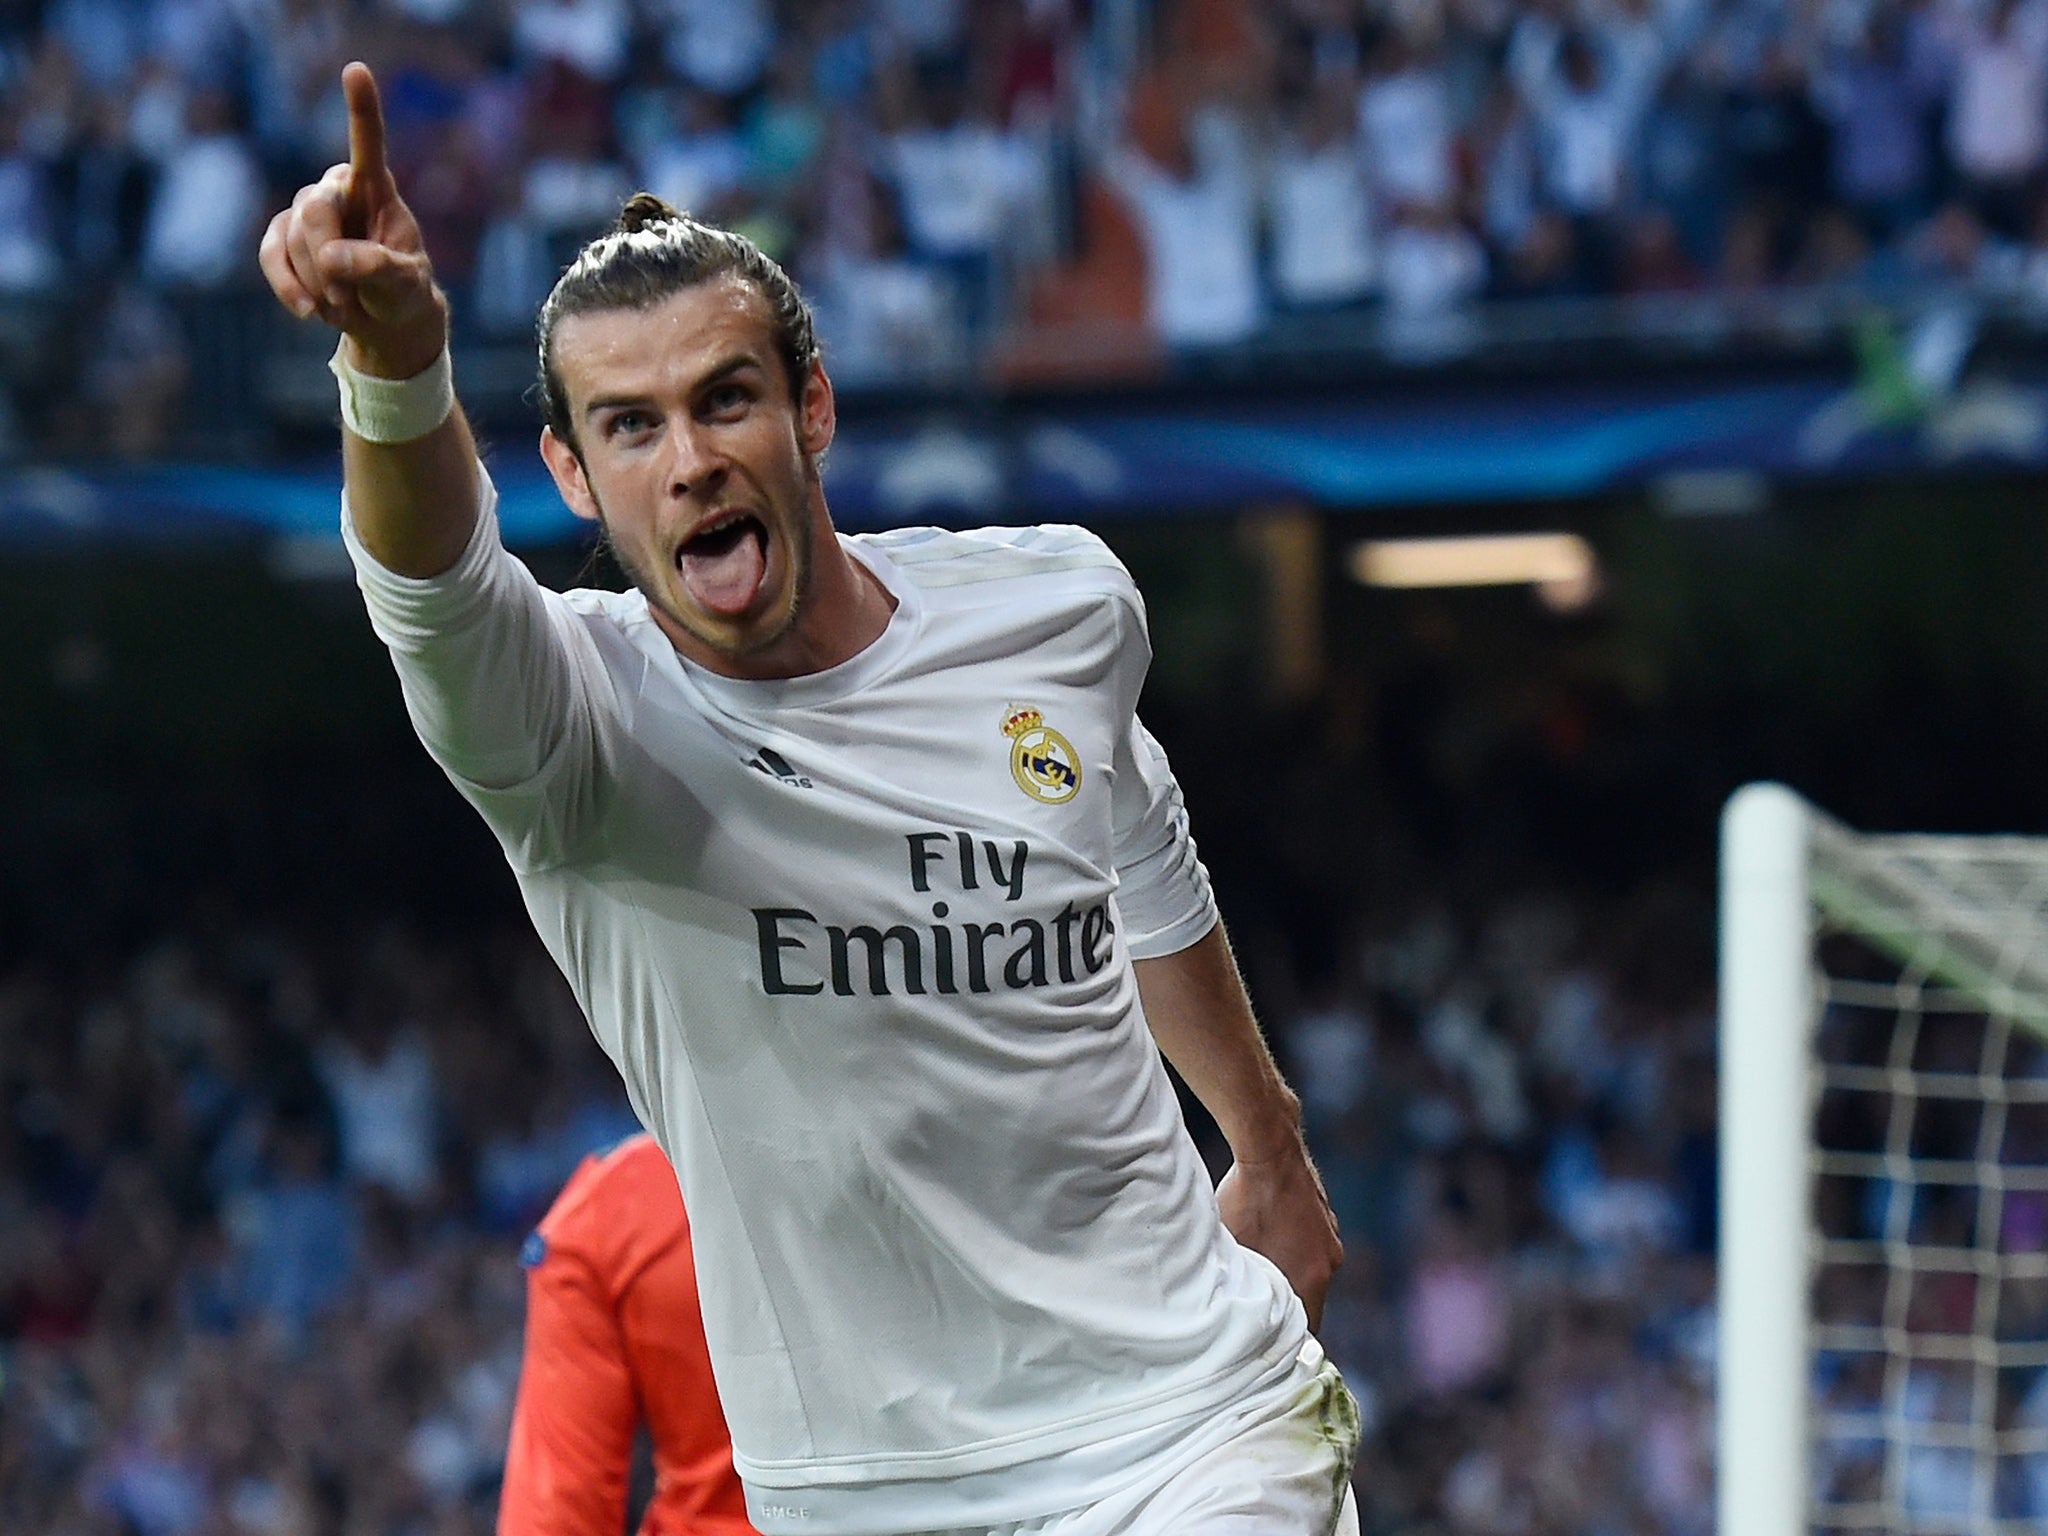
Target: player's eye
[(727, 400), (627, 423)]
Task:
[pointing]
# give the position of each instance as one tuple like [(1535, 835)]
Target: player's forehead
[(668, 345)]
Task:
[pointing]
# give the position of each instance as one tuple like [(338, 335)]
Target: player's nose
[(696, 467)]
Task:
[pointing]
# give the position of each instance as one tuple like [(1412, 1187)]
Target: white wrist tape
[(393, 410)]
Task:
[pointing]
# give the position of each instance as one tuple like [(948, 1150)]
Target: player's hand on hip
[(1276, 1207), (349, 251)]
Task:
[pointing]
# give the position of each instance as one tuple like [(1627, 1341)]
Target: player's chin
[(739, 636), (710, 581)]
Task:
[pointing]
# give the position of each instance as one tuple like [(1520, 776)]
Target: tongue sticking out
[(723, 570)]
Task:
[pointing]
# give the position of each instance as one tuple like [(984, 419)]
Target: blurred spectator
[(513, 271), (722, 46), (574, 184), (49, 1291), (588, 37), (1406, 125), (1322, 222), (1956, 245), (886, 315), (960, 180), (1998, 111), (1587, 108), (701, 159), (159, 111), (1878, 107), (1463, 1042), (784, 131), (1195, 204), (1086, 318), (929, 31), (1031, 45), (296, 51), (104, 39), (1616, 1206), (1505, 152), (101, 193), (1457, 1315), (1682, 169), (208, 202), (380, 1078), (449, 188), (842, 50), (1775, 145), (28, 256), (1331, 1055), (1432, 267), (137, 369), (154, 1482), (294, 1233)]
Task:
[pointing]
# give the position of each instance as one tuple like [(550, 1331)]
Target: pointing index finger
[(365, 128)]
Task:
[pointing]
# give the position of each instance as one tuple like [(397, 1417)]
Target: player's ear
[(817, 412), (567, 467)]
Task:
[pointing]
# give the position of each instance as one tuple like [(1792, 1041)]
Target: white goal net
[(1884, 1165)]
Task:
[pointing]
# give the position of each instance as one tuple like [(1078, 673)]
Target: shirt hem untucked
[(1061, 1466)]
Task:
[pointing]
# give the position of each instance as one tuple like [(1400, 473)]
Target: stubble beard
[(722, 643)]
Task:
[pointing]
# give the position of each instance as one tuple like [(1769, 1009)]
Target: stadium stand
[(1007, 188)]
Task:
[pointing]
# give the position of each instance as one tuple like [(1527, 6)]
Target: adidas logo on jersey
[(776, 766)]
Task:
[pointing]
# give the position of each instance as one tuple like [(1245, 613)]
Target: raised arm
[(1271, 1199), (506, 687), (348, 251)]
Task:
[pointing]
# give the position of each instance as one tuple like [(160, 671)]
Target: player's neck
[(844, 610)]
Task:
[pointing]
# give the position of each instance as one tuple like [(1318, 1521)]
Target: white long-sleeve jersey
[(860, 945)]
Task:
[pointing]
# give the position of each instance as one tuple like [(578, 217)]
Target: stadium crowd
[(261, 1199), (1034, 186), (263, 1187)]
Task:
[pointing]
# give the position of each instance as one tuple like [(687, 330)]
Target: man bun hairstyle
[(641, 210), (651, 253)]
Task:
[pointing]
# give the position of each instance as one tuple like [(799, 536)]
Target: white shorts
[(1277, 1467)]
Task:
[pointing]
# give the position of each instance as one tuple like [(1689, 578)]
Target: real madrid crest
[(1042, 761)]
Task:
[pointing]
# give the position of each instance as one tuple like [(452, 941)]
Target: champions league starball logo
[(1042, 761)]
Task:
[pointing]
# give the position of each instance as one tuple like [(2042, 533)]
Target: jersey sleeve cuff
[(1163, 893), (1156, 943)]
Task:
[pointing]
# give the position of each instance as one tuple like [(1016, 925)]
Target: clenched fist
[(349, 251)]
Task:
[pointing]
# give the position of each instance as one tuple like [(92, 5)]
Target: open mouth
[(724, 562)]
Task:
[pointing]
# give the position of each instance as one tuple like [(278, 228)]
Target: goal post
[(1883, 1280), (1766, 1016)]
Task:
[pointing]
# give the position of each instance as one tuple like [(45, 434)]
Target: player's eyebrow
[(737, 364), (718, 374), (614, 402)]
